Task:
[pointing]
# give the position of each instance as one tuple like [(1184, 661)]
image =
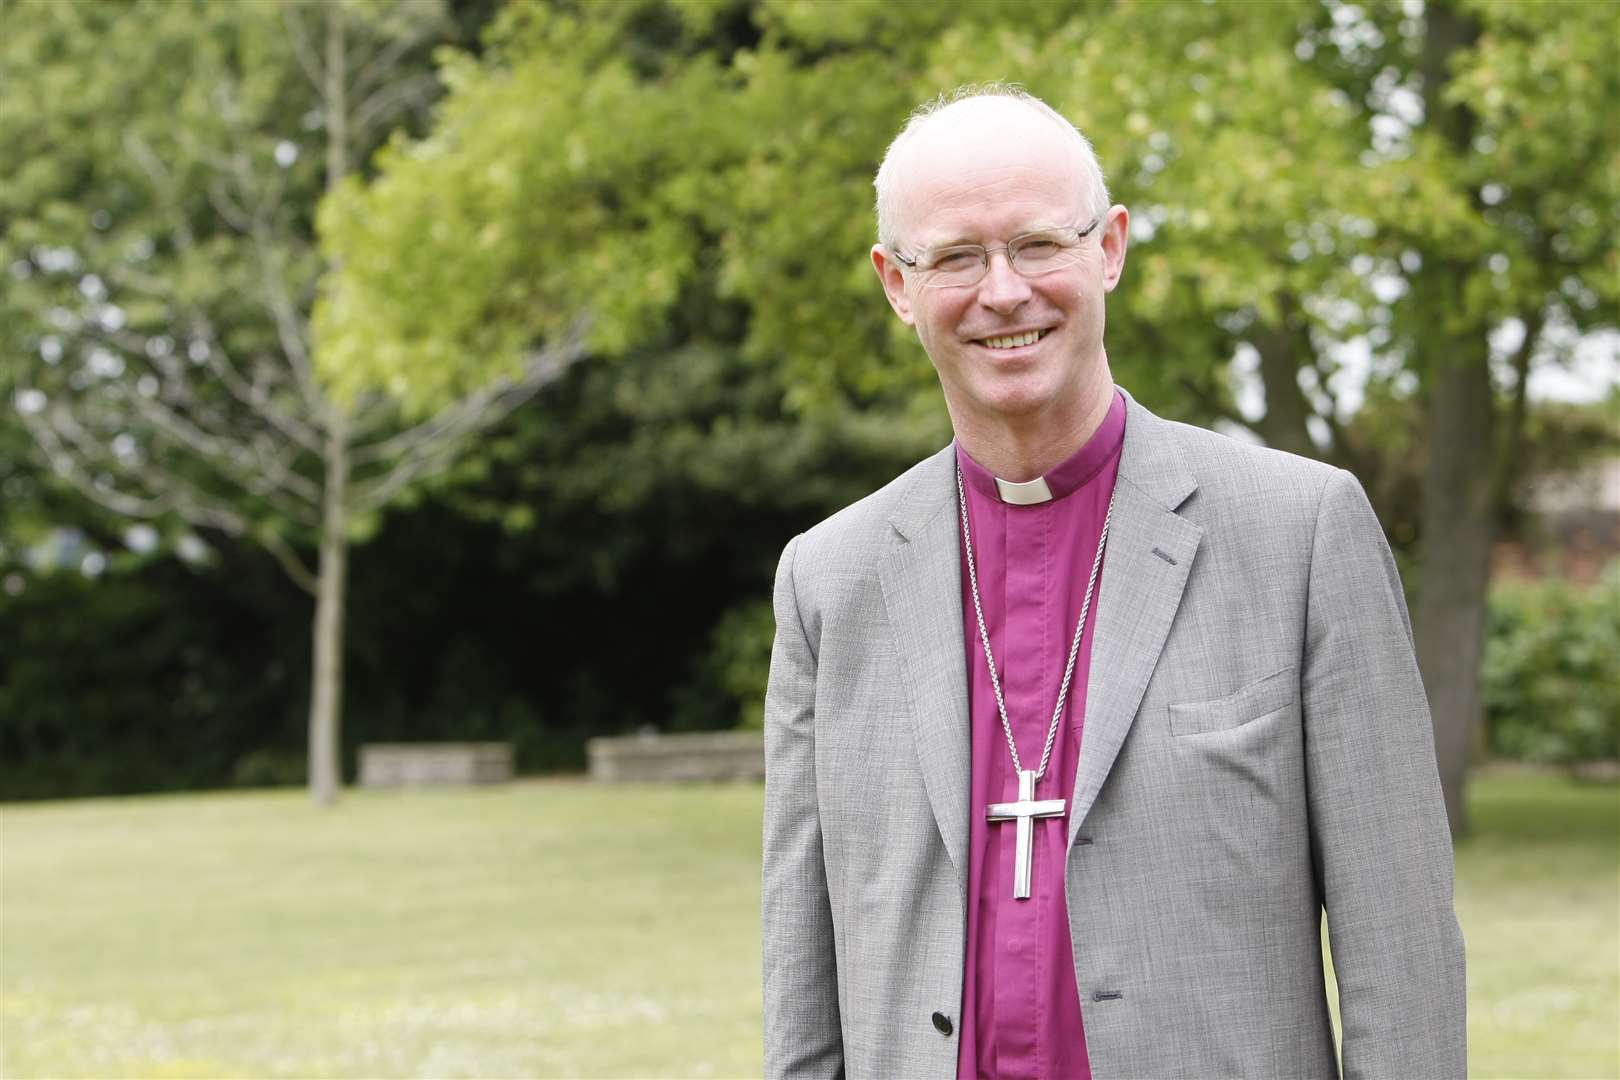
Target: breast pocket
[(1255, 701)]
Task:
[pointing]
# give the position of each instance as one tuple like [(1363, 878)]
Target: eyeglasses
[(1031, 254)]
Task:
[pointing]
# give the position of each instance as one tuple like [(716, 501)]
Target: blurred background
[(405, 371)]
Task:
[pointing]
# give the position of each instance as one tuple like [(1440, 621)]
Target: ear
[(894, 282), (1116, 234)]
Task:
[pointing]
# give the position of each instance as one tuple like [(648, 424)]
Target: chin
[(1010, 402), (1011, 407)]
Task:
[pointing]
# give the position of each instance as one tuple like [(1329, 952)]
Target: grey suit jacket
[(1256, 749)]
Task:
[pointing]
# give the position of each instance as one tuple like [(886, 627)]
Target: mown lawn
[(1538, 896), (560, 929), (540, 929)]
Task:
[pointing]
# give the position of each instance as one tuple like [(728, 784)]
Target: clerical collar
[(1067, 477)]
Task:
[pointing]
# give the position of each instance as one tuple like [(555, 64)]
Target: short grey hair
[(884, 182)]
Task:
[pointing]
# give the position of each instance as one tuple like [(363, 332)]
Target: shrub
[(727, 688), (269, 768), (1552, 671)]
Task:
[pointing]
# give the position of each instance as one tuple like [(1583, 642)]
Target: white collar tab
[(1026, 494)]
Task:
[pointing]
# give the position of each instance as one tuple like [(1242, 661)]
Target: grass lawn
[(560, 929), (1538, 896)]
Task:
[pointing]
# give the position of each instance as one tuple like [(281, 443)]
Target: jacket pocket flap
[(1259, 698)]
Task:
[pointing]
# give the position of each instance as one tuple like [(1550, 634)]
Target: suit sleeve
[(1381, 844), (803, 1037)]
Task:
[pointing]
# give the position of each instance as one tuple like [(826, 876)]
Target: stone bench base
[(431, 764), (700, 755)]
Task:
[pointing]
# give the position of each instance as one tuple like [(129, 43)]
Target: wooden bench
[(698, 755), (430, 764)]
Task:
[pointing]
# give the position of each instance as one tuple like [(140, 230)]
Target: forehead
[(986, 172)]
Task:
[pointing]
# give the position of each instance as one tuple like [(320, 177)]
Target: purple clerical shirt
[(1020, 1004)]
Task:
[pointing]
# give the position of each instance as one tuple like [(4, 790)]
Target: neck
[(1019, 450)]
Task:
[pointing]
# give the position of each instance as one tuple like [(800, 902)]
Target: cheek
[(942, 315), (925, 321)]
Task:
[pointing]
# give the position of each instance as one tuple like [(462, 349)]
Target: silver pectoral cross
[(1024, 811)]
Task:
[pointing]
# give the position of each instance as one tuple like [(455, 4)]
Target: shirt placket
[(1019, 971)]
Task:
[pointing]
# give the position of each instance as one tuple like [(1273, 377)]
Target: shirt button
[(942, 1023)]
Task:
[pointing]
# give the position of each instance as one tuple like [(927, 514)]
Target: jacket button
[(942, 1023)]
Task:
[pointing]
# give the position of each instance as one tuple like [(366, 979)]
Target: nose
[(1002, 288)]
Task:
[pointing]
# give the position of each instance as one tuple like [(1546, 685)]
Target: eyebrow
[(962, 241)]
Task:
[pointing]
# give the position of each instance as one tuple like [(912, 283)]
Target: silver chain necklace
[(1027, 807)]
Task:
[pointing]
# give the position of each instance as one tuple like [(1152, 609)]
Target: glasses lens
[(1040, 253), (1031, 254), (956, 266)]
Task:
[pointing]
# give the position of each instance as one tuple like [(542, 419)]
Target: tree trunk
[(326, 700), (1458, 519), (1283, 425), (326, 693), (1458, 527)]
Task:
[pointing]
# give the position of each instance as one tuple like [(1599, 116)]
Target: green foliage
[(694, 180), (624, 163), (637, 502), (740, 658), (159, 225), (491, 252), (148, 679), (118, 115), (589, 175), (689, 182), (270, 768), (1545, 156), (1552, 671)]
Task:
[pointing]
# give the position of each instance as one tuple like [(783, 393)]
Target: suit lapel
[(922, 596), (1145, 567)]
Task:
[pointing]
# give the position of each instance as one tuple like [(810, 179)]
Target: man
[(1075, 729)]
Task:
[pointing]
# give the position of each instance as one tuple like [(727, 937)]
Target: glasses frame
[(910, 263)]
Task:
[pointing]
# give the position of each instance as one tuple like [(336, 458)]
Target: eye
[(1038, 247), (951, 260)]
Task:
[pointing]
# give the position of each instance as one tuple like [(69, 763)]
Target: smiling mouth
[(1013, 341)]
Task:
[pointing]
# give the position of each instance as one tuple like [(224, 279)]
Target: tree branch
[(391, 98), (1509, 451), (227, 208), (543, 366), (1211, 403), (73, 454), (295, 567), (375, 68), (290, 328), (433, 445), (303, 49), (234, 461), (163, 184), (256, 396)]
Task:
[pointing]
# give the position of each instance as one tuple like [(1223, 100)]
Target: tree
[(1443, 229), (167, 272), (1543, 270), (1323, 180), (1311, 183)]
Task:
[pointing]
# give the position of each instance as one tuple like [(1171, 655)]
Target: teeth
[(1015, 341)]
